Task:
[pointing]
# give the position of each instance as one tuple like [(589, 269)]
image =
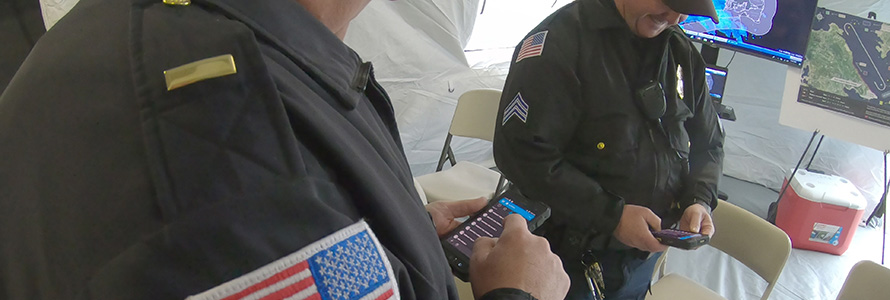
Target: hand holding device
[(444, 213), (681, 239), (634, 228), (489, 222), (696, 218), (518, 259)]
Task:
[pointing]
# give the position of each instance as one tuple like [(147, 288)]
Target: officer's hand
[(697, 219), (518, 259), (634, 228), (444, 212)]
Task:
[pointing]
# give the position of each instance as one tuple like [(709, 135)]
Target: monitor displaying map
[(847, 69), (772, 29), (715, 77)]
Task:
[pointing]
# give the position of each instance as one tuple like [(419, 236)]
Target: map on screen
[(773, 29), (847, 68), (738, 18)]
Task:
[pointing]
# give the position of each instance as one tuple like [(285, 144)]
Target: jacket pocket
[(611, 143)]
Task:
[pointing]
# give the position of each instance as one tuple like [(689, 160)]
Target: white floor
[(807, 274)]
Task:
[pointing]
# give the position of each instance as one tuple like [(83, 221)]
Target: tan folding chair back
[(867, 280), (474, 117), (761, 246), (475, 114)]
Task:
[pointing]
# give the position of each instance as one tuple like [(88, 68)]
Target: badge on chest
[(680, 85)]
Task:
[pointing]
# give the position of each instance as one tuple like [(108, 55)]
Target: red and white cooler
[(820, 212)]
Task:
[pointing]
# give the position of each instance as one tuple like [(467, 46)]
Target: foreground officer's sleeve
[(507, 294), (705, 138), (539, 115), (133, 180)]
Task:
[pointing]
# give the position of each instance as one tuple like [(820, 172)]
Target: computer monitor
[(773, 29), (716, 78)]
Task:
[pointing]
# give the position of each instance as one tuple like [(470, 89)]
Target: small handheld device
[(489, 222), (651, 101), (681, 239)]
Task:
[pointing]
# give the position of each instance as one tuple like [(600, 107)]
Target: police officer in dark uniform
[(606, 117), (223, 149)]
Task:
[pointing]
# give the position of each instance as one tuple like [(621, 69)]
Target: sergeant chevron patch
[(349, 264), (517, 108)]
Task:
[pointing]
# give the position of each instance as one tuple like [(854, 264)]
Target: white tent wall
[(417, 48), (417, 51)]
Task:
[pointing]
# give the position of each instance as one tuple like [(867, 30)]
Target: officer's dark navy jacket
[(586, 148), (112, 187)]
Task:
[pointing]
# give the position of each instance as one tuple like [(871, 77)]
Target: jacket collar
[(601, 14), (286, 25)]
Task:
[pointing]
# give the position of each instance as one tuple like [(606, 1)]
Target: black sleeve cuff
[(507, 294), (709, 205), (704, 203), (604, 225)]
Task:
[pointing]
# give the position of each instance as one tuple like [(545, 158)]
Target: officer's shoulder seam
[(191, 14), (189, 32), (165, 38)]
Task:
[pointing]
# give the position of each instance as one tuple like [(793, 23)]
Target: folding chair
[(474, 117), (867, 280), (759, 245), (420, 192)]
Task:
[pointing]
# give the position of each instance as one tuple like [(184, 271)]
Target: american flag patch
[(532, 46), (517, 108), (347, 265)]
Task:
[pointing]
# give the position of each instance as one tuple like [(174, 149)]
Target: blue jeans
[(636, 274)]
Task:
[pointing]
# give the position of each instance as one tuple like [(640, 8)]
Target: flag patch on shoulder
[(347, 265), (517, 108), (532, 46)]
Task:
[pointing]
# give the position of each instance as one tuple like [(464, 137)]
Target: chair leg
[(658, 273), (501, 187), (446, 154)]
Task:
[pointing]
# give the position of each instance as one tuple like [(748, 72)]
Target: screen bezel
[(460, 262), (466, 225), (725, 80)]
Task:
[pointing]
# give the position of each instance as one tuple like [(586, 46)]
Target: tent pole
[(814, 152)]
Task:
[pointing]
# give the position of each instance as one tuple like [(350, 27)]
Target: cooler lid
[(827, 189)]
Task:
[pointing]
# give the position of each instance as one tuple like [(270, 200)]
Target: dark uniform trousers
[(113, 187), (572, 134)]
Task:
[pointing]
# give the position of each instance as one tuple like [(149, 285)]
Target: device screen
[(489, 223), (679, 235), (716, 80)]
